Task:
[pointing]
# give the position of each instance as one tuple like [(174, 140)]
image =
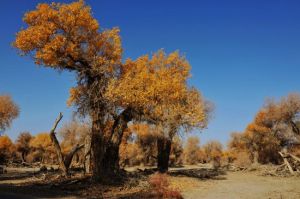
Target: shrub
[(160, 187)]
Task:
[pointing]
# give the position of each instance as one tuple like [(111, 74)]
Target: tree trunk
[(295, 128), (64, 164), (69, 156), (97, 149), (56, 145), (23, 156), (163, 154), (111, 156), (87, 154), (255, 157)]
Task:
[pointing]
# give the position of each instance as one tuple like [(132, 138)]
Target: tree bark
[(56, 145), (163, 154), (287, 163), (111, 156), (97, 149), (295, 128), (87, 154), (255, 157), (69, 156), (64, 163), (23, 156)]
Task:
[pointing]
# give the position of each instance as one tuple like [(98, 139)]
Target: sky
[(241, 53)]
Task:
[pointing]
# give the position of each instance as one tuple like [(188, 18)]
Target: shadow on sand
[(200, 173)]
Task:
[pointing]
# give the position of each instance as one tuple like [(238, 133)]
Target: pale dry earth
[(230, 185), (242, 185)]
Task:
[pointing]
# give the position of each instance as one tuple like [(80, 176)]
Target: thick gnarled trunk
[(97, 150), (111, 156), (163, 154)]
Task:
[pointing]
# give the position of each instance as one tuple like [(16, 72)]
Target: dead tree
[(64, 162), (287, 162), (87, 154), (56, 145)]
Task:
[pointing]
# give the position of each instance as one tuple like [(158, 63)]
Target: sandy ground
[(189, 181), (243, 185)]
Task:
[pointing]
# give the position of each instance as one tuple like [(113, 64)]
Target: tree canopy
[(8, 111)]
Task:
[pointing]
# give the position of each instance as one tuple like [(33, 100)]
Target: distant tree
[(176, 154), (213, 150), (43, 147), (237, 141), (73, 133), (74, 137), (8, 111), (156, 88), (274, 127), (146, 137), (237, 144), (262, 144), (192, 150), (6, 149), (23, 144)]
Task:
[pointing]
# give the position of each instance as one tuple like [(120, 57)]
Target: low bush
[(159, 184)]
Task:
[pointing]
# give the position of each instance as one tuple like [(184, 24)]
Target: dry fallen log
[(295, 157), (287, 163)]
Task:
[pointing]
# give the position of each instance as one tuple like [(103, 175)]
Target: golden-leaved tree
[(273, 129), (6, 149), (192, 150), (43, 149), (156, 88), (67, 37), (8, 111), (23, 144)]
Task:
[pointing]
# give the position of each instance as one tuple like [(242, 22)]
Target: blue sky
[(241, 52)]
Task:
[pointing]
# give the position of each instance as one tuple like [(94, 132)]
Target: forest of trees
[(275, 128), (137, 111)]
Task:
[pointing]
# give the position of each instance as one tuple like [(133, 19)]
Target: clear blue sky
[(241, 52)]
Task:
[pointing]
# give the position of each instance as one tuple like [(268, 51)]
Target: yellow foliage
[(6, 148), (8, 111), (157, 87), (5, 143), (41, 141), (68, 37), (64, 35)]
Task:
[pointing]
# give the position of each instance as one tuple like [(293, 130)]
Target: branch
[(56, 122), (56, 145), (295, 157), (287, 163), (69, 156)]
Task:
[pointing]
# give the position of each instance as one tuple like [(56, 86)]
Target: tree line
[(274, 129)]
